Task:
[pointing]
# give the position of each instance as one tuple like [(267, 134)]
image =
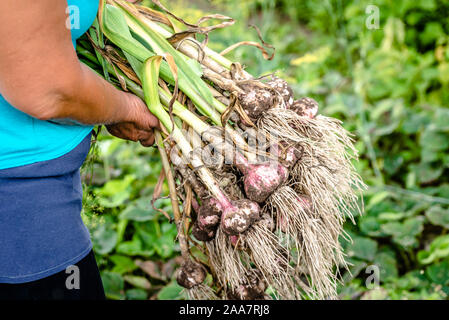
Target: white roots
[(314, 242), (271, 259), (258, 246), (285, 124), (201, 292), (326, 177), (226, 261), (324, 172), (329, 180)]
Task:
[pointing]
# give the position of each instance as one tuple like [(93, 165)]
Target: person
[(49, 103)]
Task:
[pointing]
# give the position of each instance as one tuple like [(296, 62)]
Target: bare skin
[(41, 75)]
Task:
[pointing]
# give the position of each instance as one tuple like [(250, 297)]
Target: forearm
[(92, 100)]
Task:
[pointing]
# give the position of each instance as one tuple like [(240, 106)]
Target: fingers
[(147, 142), (146, 138), (128, 131), (124, 131)]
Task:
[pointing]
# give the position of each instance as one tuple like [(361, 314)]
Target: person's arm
[(41, 75)]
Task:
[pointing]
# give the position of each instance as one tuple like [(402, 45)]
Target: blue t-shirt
[(24, 139), (41, 230)]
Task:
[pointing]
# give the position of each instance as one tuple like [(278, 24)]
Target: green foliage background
[(388, 85)]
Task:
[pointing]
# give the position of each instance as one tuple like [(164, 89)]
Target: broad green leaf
[(377, 198), (114, 285), (432, 32), (139, 282), (438, 249), (370, 226), (362, 248), (173, 291), (108, 147), (122, 264), (159, 238), (418, 208), (138, 214), (438, 273), (113, 187), (426, 172), (165, 245), (392, 163), (433, 140), (415, 122), (413, 280), (391, 216), (438, 216), (404, 233), (142, 210), (116, 192), (442, 115), (134, 248), (136, 294), (104, 239), (429, 155), (387, 266)]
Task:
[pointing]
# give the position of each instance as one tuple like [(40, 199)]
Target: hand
[(139, 126)]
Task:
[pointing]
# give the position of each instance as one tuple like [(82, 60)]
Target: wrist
[(134, 107)]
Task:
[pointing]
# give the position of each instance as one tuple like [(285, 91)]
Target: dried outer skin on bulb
[(306, 107), (240, 216), (209, 214), (191, 274), (208, 220), (289, 155), (256, 100), (263, 180), (282, 87), (203, 235)]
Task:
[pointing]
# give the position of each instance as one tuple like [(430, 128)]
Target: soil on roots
[(253, 289), (191, 274)]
